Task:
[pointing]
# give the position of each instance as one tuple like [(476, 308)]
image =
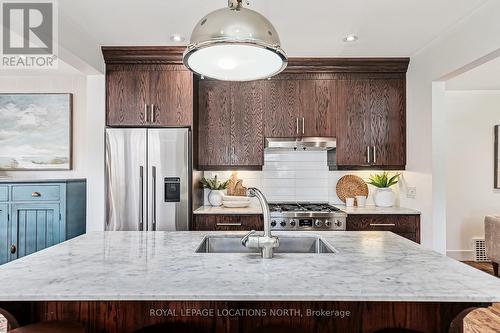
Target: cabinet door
[(318, 112), (202, 222), (388, 122), (4, 234), (353, 127), (127, 94), (172, 96), (281, 108), (214, 140), (35, 226), (247, 135)]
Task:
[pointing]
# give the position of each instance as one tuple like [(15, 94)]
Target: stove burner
[(302, 207)]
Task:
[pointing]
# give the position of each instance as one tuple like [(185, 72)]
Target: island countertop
[(369, 266)]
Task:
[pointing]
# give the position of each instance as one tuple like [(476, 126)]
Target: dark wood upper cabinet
[(247, 136), (317, 108), (353, 126), (172, 97), (230, 125), (214, 129), (281, 103), (127, 95), (371, 128), (388, 122), (147, 86)]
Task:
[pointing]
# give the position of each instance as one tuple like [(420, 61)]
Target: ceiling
[(307, 28), (483, 77)]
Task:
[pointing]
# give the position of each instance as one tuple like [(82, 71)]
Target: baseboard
[(461, 255)]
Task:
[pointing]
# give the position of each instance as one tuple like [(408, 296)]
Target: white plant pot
[(215, 197), (384, 197)]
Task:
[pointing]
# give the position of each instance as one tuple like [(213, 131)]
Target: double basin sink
[(288, 244)]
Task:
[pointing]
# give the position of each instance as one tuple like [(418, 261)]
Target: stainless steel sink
[(288, 244)]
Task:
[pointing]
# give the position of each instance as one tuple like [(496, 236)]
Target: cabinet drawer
[(4, 193), (36, 192), (394, 223), (202, 222)]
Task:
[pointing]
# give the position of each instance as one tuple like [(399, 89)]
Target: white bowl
[(236, 204)]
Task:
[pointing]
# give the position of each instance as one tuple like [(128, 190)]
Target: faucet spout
[(266, 243)]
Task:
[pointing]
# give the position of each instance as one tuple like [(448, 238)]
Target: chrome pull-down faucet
[(266, 243)]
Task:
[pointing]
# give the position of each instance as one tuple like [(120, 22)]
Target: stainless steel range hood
[(301, 144)]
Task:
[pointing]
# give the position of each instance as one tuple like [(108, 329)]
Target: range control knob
[(293, 223), (338, 223), (328, 223), (318, 223), (273, 223), (283, 223)]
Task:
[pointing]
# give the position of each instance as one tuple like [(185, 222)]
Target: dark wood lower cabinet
[(407, 226), (243, 317), (203, 222)]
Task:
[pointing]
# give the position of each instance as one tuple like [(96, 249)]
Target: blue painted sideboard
[(35, 215)]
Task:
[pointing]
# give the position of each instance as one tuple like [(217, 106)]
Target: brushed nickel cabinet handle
[(368, 159), (141, 204), (36, 194), (234, 155), (303, 125), (153, 117), (382, 224), (297, 125), (154, 199), (374, 155), (13, 249), (146, 112), (229, 224)]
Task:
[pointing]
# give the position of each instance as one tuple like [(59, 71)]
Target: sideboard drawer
[(4, 193), (36, 192)]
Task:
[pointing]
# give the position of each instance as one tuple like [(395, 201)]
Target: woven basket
[(350, 186)]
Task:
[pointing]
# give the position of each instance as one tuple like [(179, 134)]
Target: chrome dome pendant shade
[(235, 44)]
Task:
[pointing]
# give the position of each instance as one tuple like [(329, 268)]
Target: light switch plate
[(411, 192)]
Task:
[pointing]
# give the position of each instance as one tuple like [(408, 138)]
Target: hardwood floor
[(483, 266)]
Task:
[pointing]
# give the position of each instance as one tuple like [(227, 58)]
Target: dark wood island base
[(243, 317)]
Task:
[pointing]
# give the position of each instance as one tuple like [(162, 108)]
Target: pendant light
[(235, 44)]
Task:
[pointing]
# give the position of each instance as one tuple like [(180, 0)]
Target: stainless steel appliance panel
[(169, 175), (126, 179)]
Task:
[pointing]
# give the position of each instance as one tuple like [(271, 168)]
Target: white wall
[(470, 39), (88, 133), (471, 116)]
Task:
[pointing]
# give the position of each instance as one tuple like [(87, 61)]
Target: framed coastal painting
[(497, 156), (35, 131)]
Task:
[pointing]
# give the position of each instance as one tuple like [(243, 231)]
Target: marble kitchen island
[(379, 278)]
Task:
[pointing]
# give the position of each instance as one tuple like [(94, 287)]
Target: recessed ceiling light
[(177, 38), (350, 38)]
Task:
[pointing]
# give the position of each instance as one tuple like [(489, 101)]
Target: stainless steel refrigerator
[(148, 175)]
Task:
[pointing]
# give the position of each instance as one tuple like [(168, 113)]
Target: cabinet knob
[(36, 194), (13, 249)]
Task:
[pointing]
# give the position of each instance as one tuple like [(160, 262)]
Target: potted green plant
[(216, 188), (384, 195)]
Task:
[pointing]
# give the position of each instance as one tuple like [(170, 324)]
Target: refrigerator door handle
[(141, 204), (153, 220)]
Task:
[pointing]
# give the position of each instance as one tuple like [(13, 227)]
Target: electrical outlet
[(411, 192)]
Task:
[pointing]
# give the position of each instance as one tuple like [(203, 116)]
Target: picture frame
[(37, 131)]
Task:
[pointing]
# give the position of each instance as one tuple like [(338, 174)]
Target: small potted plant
[(216, 188), (384, 196)]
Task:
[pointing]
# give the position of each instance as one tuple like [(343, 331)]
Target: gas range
[(306, 216)]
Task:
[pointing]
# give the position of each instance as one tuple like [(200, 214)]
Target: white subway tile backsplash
[(296, 176)]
